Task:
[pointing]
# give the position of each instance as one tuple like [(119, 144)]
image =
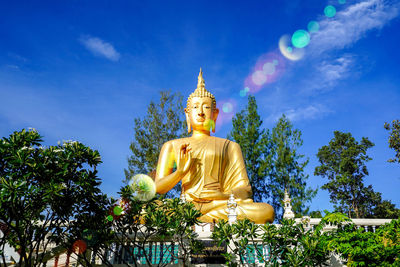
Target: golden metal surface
[(210, 168)]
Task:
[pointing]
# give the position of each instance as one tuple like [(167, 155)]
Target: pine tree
[(255, 145), (164, 121), (287, 169)]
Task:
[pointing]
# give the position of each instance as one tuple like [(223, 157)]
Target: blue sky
[(83, 70)]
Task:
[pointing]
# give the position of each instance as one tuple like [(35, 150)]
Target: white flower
[(69, 142)]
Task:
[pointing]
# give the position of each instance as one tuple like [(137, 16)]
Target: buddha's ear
[(189, 126), (215, 116)]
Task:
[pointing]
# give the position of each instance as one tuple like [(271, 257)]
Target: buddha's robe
[(219, 167)]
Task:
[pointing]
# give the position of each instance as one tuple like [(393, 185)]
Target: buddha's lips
[(200, 119)]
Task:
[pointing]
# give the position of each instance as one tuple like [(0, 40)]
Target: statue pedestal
[(212, 253)]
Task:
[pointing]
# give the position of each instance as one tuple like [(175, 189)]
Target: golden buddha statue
[(210, 168)]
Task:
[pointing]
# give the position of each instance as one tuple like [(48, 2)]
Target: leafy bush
[(159, 226), (288, 244), (48, 195), (361, 248)]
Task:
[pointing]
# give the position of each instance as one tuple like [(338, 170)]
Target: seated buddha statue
[(210, 168)]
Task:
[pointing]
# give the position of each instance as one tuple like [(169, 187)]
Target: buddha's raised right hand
[(184, 160)]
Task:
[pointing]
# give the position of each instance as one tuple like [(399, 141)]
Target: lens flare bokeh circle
[(292, 53), (330, 11), (313, 26), (244, 92), (269, 68), (227, 107), (300, 38), (143, 187), (259, 77), (117, 210)]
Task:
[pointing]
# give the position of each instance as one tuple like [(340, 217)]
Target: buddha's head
[(201, 111)]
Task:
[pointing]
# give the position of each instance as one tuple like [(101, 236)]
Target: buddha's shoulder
[(222, 140), (225, 143), (188, 140), (177, 141)]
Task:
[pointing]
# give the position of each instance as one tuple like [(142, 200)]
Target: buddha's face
[(201, 113)]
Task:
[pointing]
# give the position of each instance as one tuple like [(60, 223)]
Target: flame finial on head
[(200, 81)]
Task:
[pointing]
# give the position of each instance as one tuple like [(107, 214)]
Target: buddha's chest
[(208, 162), (206, 153)]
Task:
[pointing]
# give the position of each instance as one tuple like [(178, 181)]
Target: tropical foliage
[(47, 195), (291, 244), (367, 248), (152, 232), (288, 244)]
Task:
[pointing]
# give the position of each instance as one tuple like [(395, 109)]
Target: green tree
[(150, 232), (378, 208), (343, 163), (287, 169), (394, 139), (361, 248), (272, 159), (48, 195), (256, 147), (386, 210), (289, 244), (164, 121)]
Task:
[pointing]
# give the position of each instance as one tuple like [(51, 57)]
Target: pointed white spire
[(288, 212), (232, 215)]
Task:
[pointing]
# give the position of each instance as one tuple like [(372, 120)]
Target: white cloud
[(328, 73), (351, 24), (310, 112), (335, 70), (100, 48)]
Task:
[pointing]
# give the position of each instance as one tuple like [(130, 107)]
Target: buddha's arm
[(236, 180), (213, 195), (166, 178)]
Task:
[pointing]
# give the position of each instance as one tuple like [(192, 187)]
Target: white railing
[(367, 224)]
